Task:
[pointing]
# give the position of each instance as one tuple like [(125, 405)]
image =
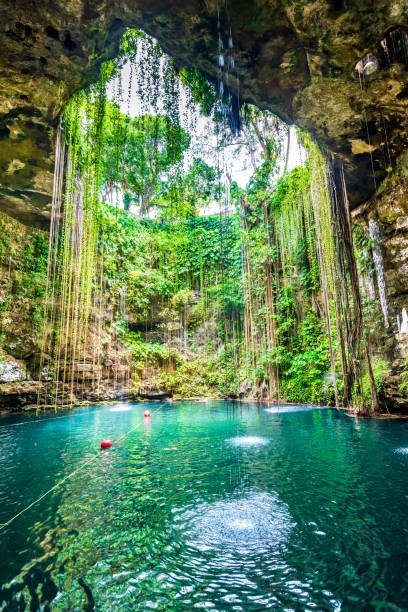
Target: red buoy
[(106, 443), (147, 413)]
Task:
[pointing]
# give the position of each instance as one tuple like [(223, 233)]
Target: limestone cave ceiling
[(296, 58)]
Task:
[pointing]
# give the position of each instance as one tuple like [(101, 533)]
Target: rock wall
[(388, 208)]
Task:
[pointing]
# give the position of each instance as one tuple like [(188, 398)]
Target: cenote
[(203, 305), (222, 506)]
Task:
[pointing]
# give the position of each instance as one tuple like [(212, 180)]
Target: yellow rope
[(84, 464), (66, 416)]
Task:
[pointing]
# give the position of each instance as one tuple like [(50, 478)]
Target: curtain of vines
[(73, 240), (300, 278), (89, 155)]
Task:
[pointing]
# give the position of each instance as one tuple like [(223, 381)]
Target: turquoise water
[(215, 506)]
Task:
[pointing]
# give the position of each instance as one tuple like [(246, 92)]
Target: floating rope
[(83, 465), (66, 416)]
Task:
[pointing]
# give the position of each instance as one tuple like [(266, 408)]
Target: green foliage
[(143, 352), (156, 258), (23, 259), (137, 155), (364, 244), (380, 369), (404, 378), (203, 92), (180, 273), (196, 378), (290, 186), (304, 367), (281, 253), (228, 376), (187, 193)]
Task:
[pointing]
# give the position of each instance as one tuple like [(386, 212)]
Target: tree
[(138, 155), (192, 190)]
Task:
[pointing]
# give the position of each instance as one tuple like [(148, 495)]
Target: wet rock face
[(389, 208), (12, 371), (295, 58)]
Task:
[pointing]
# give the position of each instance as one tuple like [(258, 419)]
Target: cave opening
[(245, 241)]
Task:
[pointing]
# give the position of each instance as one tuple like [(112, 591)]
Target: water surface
[(215, 506)]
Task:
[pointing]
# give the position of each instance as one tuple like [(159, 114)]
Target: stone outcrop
[(389, 208), (296, 58), (13, 371)]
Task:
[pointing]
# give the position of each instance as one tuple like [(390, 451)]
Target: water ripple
[(402, 451), (251, 524), (206, 507)]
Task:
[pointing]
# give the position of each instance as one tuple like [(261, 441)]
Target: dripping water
[(376, 235), (370, 278)]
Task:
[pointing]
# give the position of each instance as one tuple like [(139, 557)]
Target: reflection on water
[(206, 506), (121, 408), (402, 451), (290, 408), (246, 441)]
